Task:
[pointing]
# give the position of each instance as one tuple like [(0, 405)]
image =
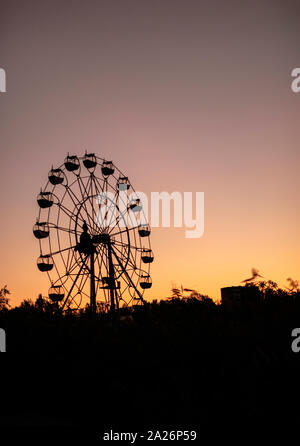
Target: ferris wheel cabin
[(45, 200), (147, 256), (107, 168), (144, 230), (56, 176), (56, 293), (72, 163), (89, 160), (135, 205), (45, 263), (41, 230), (123, 183), (145, 282)]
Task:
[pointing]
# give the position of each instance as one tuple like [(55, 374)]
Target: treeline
[(40, 325), (269, 291), (183, 362)]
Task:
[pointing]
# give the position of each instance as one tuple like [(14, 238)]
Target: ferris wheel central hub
[(102, 238)]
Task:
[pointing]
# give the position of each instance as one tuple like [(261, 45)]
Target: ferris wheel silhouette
[(93, 236)]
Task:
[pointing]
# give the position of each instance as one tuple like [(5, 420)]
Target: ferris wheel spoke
[(108, 212), (99, 261), (125, 257), (97, 182), (121, 253), (74, 283), (84, 186), (91, 200), (122, 214), (62, 250), (122, 231), (113, 202), (68, 230), (71, 194), (100, 264), (132, 260), (111, 206), (127, 244), (94, 193), (84, 191), (91, 218), (132, 263), (118, 218), (72, 265), (73, 197), (83, 281), (71, 256), (68, 213), (127, 275), (84, 195), (76, 264)]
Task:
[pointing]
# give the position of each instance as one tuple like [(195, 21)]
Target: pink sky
[(182, 96)]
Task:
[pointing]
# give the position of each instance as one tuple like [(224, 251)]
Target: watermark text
[(161, 209), (2, 80), (295, 85)]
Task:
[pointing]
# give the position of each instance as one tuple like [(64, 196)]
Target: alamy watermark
[(295, 85), (2, 80), (2, 341), (295, 346), (161, 209)]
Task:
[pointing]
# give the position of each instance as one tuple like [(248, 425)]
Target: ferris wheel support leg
[(93, 291), (111, 279)]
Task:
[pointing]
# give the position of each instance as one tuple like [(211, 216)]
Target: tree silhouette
[(293, 285), (176, 293), (4, 305), (255, 274), (26, 304)]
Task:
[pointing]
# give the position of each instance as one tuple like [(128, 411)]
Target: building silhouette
[(239, 297)]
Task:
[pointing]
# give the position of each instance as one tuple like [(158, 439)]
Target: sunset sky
[(182, 96)]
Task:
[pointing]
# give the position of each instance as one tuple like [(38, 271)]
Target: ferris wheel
[(94, 239)]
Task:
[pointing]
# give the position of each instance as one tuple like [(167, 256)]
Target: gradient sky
[(181, 95)]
